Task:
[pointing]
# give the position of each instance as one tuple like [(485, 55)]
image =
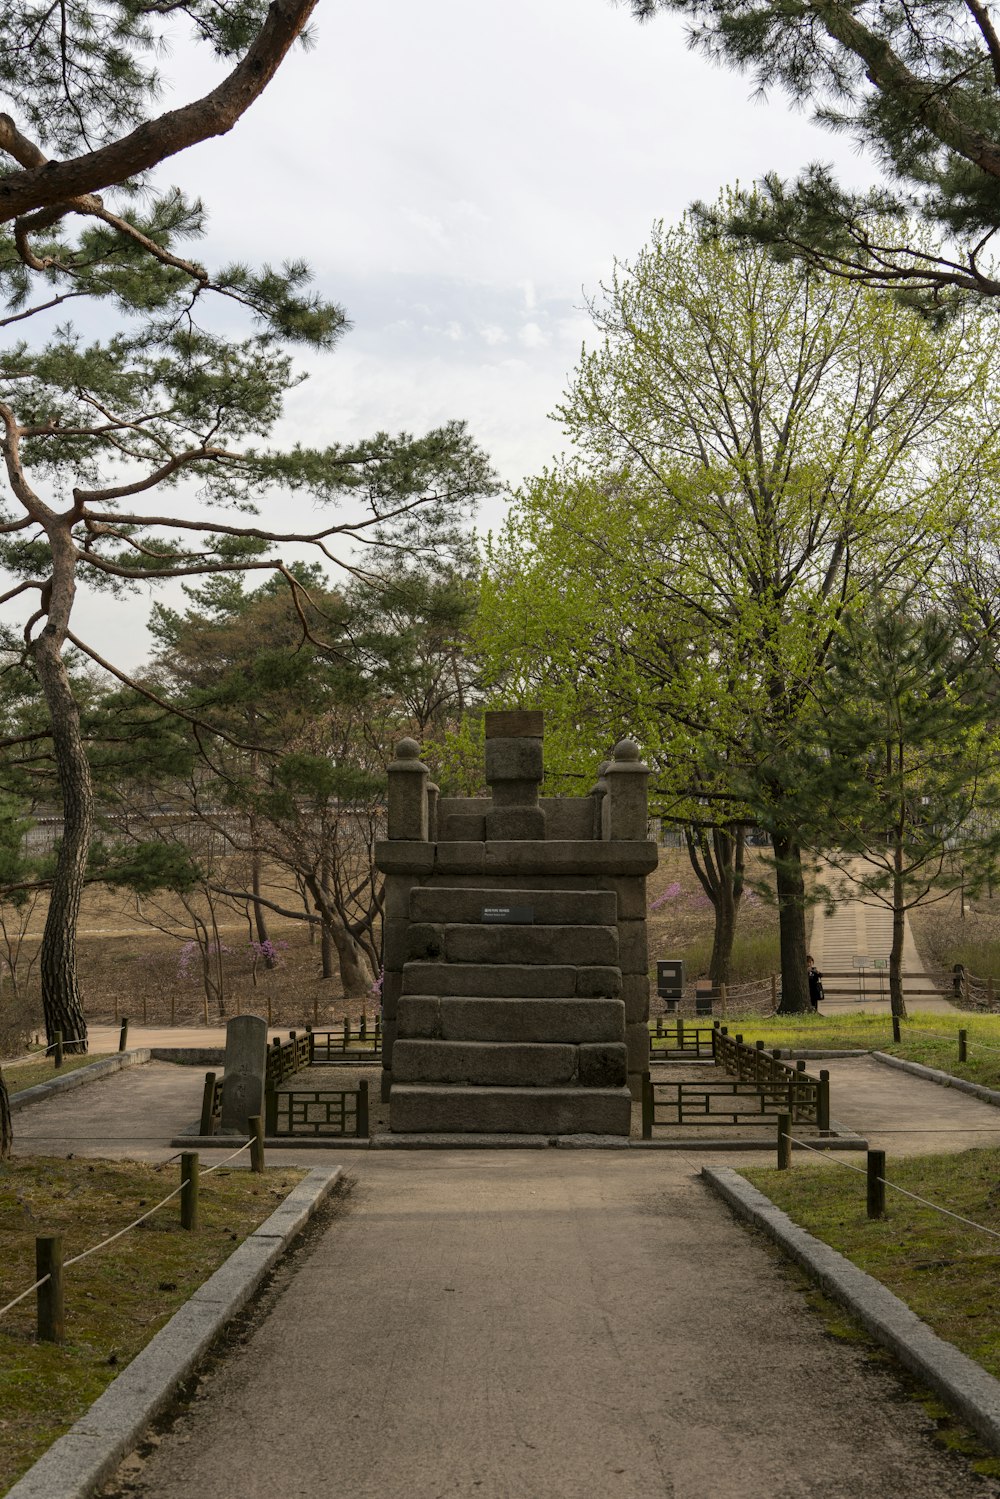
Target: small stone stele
[(243, 1081)]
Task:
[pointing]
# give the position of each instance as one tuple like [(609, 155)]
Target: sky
[(461, 177)]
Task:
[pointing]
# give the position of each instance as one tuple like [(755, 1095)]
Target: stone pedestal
[(516, 990), (243, 1080)]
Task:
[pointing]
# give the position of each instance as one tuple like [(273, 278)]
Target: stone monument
[(243, 1079), (516, 989)]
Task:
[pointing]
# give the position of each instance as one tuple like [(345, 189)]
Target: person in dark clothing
[(815, 983)]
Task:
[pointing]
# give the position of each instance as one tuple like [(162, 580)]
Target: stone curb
[(190, 1056), (959, 1380), (79, 1462), (76, 1079), (943, 1079), (841, 1141)]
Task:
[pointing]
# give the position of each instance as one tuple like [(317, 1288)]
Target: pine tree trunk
[(259, 917), (6, 1127), (896, 1000), (791, 891), (61, 1002)]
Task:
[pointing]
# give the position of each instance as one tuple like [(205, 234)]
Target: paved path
[(544, 1325), (534, 1325), (863, 929)]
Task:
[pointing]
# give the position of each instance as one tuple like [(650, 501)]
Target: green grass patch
[(927, 1037), (756, 955), (118, 1298), (946, 1272), (21, 1075)]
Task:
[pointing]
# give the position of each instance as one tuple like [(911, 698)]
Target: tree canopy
[(757, 451), (916, 83)]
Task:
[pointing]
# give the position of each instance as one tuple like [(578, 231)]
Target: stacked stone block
[(533, 1024)]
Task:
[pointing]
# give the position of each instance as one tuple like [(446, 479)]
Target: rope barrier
[(85, 1254), (925, 1201)]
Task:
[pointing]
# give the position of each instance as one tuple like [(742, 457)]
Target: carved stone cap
[(522, 723)]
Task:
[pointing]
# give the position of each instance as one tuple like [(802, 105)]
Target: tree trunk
[(355, 974), (791, 891), (326, 949), (896, 1001), (719, 866), (6, 1128), (259, 917), (61, 1002)]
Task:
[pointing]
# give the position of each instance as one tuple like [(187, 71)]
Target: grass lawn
[(926, 1037), (945, 1271), (21, 1075), (118, 1298)]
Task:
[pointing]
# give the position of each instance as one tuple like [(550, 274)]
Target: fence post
[(647, 1106), (189, 1183), (774, 991), (823, 1103), (207, 1105), (722, 997), (255, 1124), (989, 993), (659, 1025), (361, 1128), (57, 1052), (363, 1032), (315, 1009), (876, 1183), (123, 1036), (347, 1032), (312, 1044), (50, 1312), (963, 1046), (271, 1111), (784, 1141), (896, 1034), (680, 1032)]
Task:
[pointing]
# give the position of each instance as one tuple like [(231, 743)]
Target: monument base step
[(510, 1064), (474, 1018), (533, 1111)]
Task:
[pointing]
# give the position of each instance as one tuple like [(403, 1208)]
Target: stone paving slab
[(519, 1325)]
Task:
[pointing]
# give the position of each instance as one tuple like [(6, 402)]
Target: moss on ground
[(21, 1075), (117, 1299)]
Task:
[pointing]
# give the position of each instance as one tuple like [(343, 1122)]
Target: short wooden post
[(989, 993), (362, 1128), (57, 1050), (206, 1127), (315, 1009), (876, 1183), (784, 1141), (347, 1032), (255, 1124), (204, 1008), (271, 1111), (173, 1008), (774, 991), (647, 1106), (378, 1027), (680, 1032), (896, 1033), (722, 997), (123, 1034), (50, 1312), (963, 1046), (363, 1032), (312, 1044), (800, 1065), (659, 1025), (189, 1184), (823, 1103)]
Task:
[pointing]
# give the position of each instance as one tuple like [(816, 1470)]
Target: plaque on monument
[(243, 1080), (517, 915)]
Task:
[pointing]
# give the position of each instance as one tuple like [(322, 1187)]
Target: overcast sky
[(461, 176)]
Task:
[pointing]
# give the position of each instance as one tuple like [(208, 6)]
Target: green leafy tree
[(758, 452), (908, 725), (917, 86)]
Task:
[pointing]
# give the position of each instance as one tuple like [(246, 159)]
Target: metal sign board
[(670, 978), (861, 962)]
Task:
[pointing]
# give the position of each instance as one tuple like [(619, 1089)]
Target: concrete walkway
[(534, 1325), (544, 1326)]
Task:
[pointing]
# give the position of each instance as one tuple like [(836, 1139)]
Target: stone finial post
[(408, 778), (627, 814), (514, 772), (433, 797)]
